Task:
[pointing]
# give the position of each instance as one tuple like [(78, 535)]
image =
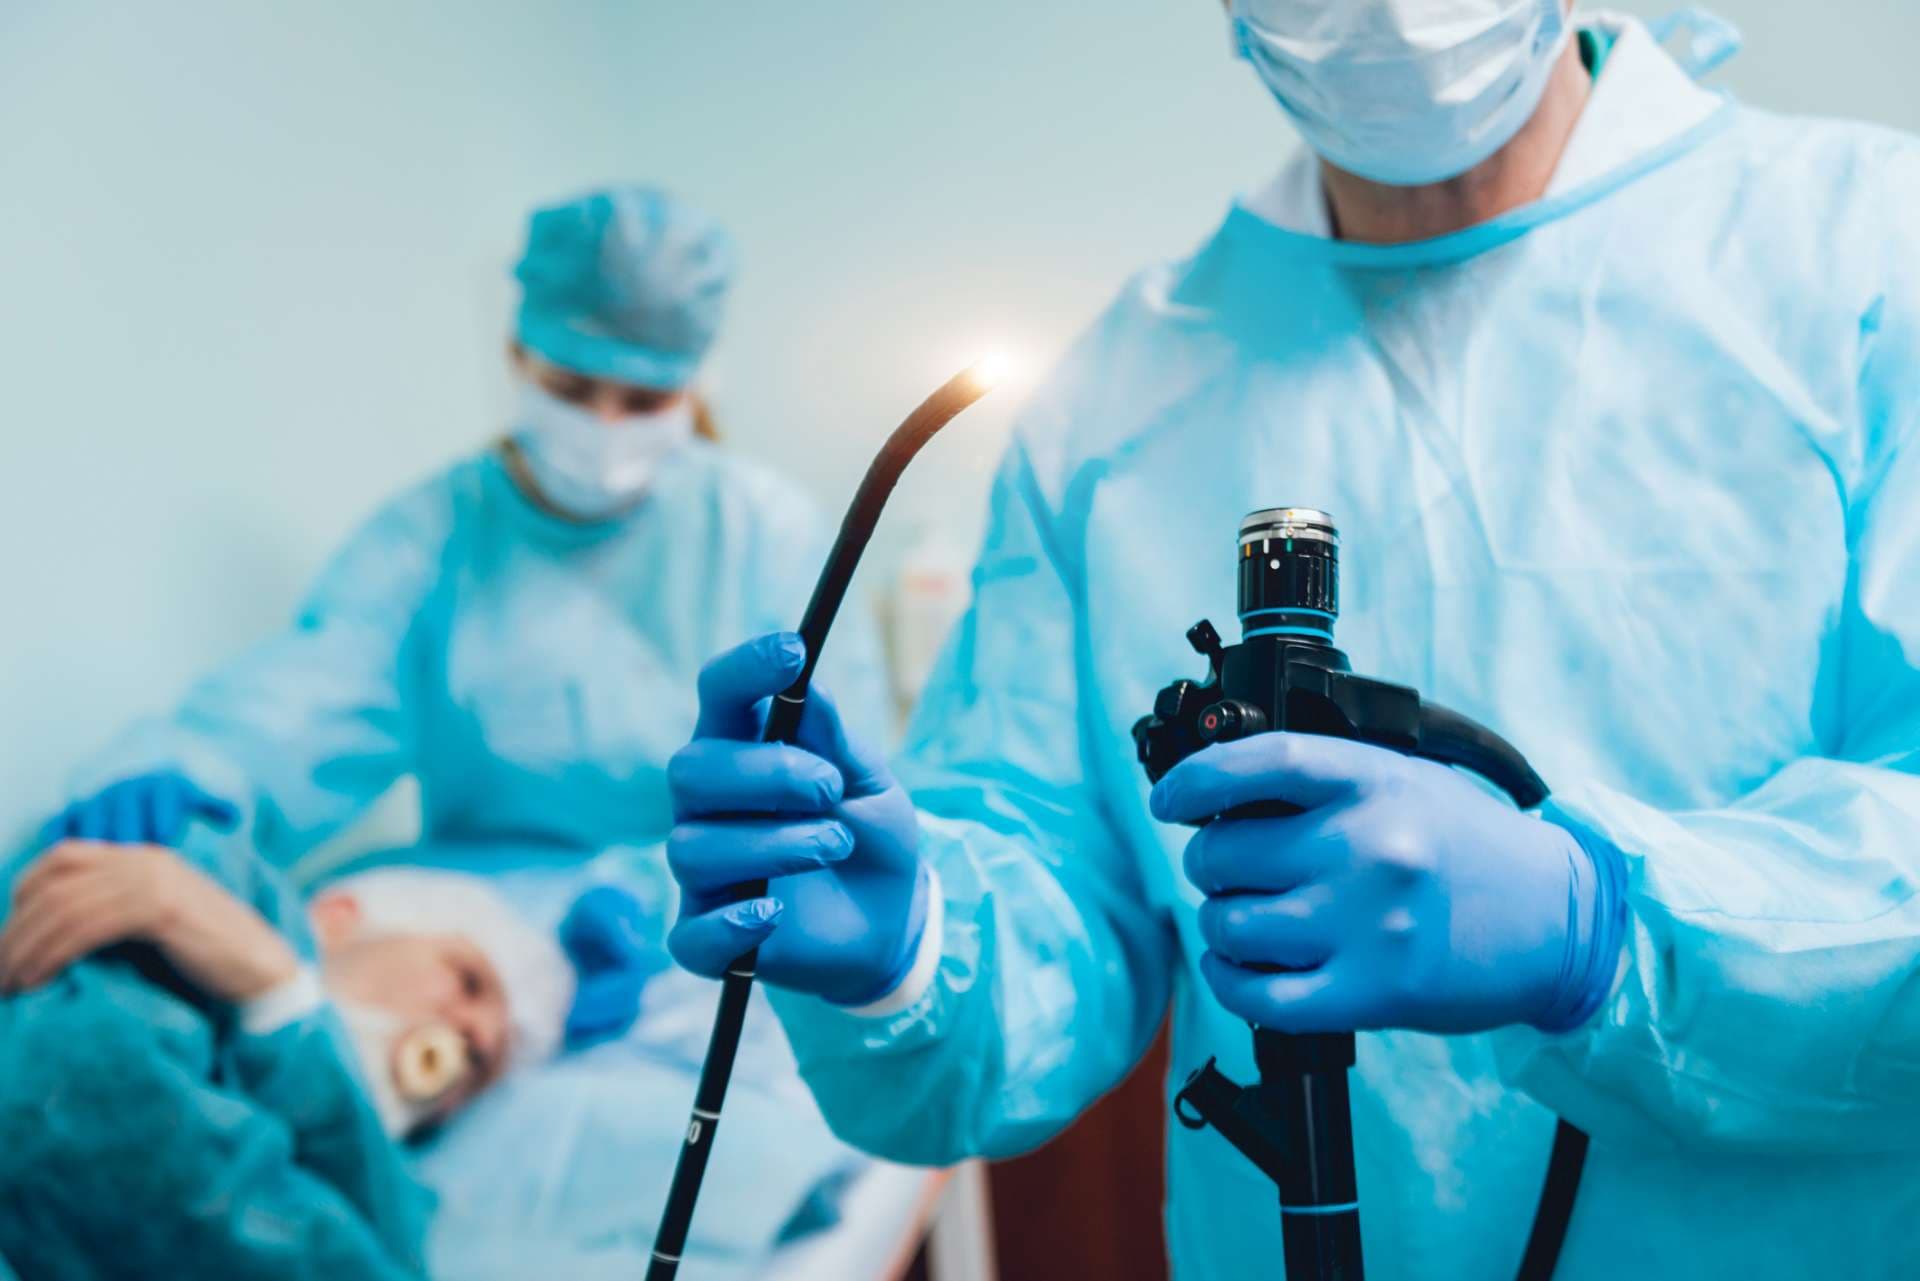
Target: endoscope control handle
[(1452, 739), (1397, 717)]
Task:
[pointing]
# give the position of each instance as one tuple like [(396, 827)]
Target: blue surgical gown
[(1628, 474), (144, 1133), (534, 674)]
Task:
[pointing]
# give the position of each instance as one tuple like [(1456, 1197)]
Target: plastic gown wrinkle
[(1666, 501), (1834, 923)]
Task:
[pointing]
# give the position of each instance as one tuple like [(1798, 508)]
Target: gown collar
[(1644, 109)]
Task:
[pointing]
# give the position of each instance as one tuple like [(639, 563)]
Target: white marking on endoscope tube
[(705, 1115), (740, 974), (693, 1133), (666, 1258), (783, 698)]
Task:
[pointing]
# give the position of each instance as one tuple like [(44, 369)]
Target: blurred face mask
[(591, 467), (1404, 92)]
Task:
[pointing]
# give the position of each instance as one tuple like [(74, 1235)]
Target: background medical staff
[(1619, 428), (520, 632)]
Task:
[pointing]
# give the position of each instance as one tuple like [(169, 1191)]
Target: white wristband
[(282, 1004), (926, 960)]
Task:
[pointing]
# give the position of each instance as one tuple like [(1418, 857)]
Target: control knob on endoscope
[(1205, 640), (1229, 719)]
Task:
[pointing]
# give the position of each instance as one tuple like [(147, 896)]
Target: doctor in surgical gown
[(1627, 472)]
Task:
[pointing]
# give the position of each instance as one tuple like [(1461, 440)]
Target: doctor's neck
[(1515, 175)]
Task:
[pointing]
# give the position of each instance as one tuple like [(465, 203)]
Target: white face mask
[(1404, 92), (590, 467), (432, 1058)]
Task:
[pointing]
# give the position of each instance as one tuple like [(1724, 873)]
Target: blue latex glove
[(1403, 895), (147, 809), (821, 819), (605, 936)]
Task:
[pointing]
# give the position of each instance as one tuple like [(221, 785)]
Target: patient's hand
[(81, 896)]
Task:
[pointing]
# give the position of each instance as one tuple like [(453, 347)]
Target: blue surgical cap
[(627, 283)]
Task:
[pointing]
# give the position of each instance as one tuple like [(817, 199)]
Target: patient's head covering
[(627, 284), (533, 969)]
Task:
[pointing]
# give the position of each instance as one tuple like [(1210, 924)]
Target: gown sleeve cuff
[(284, 1004), (1596, 926), (926, 960)]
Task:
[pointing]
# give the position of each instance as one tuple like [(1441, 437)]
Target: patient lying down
[(199, 1075)]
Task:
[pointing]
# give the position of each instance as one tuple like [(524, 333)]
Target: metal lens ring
[(1289, 573)]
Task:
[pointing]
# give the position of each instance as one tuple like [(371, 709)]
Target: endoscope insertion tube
[(783, 722)]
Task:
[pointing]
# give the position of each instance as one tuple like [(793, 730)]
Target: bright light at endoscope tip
[(991, 369)]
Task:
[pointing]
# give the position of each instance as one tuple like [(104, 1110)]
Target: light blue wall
[(252, 263)]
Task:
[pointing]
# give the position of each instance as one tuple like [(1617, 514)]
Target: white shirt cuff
[(926, 960), (288, 1002)]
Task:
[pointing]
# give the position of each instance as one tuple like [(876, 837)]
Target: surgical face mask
[(1404, 92), (590, 467), (410, 1070)]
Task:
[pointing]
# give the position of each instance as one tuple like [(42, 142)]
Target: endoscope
[(1295, 1123)]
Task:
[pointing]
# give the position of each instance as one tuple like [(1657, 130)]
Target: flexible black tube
[(1555, 1211), (783, 722)]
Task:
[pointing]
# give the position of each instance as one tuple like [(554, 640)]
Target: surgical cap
[(627, 283), (533, 969)]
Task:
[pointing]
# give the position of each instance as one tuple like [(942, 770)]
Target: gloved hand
[(1402, 896), (147, 809), (604, 934), (821, 818)]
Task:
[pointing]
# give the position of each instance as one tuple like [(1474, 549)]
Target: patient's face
[(398, 993), (427, 978)]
